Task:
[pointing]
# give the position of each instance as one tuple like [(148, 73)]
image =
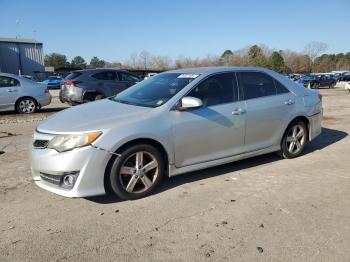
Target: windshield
[(155, 91)]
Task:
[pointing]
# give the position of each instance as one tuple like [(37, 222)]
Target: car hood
[(99, 115)]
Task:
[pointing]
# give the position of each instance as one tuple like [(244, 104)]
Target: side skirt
[(174, 171)]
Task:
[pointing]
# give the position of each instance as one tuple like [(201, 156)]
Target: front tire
[(294, 139), (137, 172), (26, 105)]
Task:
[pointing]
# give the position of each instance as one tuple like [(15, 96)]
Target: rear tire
[(137, 172), (26, 105), (294, 139)]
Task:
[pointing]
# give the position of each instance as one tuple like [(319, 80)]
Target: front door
[(213, 131)]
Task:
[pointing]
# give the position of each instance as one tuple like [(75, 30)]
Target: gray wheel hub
[(27, 106), (139, 172), (296, 139)]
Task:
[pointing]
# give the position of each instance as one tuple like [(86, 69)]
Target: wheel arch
[(150, 141), (21, 97), (302, 118)]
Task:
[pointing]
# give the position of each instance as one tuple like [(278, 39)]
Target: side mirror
[(188, 102)]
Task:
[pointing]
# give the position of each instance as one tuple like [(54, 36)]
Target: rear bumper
[(315, 125), (44, 100), (67, 96)]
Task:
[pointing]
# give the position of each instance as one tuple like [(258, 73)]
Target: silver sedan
[(21, 94), (170, 124)]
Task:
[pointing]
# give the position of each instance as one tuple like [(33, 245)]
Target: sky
[(113, 30)]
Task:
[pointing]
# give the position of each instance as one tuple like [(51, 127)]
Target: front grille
[(51, 178), (40, 143)]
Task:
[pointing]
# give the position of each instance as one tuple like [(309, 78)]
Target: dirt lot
[(260, 209)]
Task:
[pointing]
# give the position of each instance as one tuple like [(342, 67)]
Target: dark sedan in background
[(316, 81), (93, 84)]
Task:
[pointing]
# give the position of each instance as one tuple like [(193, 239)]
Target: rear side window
[(216, 90), (256, 84), (73, 75), (106, 75), (8, 81), (280, 89), (123, 76)]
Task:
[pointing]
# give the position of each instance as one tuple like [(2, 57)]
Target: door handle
[(238, 111), (11, 90), (289, 102)]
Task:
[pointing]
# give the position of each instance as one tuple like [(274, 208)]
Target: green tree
[(256, 56), (226, 53), (56, 60), (78, 62), (113, 65), (96, 62), (276, 62)]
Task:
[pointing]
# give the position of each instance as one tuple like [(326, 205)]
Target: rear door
[(268, 104), (106, 83), (9, 89)]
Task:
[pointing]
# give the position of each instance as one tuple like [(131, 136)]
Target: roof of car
[(7, 74), (209, 70), (98, 70)]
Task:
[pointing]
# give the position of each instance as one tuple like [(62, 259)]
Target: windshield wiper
[(123, 101), (130, 103)]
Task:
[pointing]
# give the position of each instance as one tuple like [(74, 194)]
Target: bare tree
[(161, 62), (314, 49), (133, 60), (145, 59)]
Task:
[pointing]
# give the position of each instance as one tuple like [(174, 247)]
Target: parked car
[(53, 82), (94, 84), (172, 123), (325, 81), (307, 80), (344, 78), (21, 94), (317, 81)]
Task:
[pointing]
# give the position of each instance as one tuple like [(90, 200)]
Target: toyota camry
[(170, 124)]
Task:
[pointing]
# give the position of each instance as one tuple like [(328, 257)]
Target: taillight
[(46, 90), (71, 83), (320, 97)]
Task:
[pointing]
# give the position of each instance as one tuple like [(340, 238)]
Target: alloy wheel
[(27, 106), (139, 172), (295, 139)]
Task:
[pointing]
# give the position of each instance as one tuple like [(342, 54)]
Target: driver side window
[(216, 90)]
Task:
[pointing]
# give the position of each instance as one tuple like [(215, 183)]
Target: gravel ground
[(259, 209)]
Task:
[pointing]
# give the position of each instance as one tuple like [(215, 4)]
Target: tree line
[(312, 59)]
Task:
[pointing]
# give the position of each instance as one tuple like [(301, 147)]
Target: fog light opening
[(69, 180)]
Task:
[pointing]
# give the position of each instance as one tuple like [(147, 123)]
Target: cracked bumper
[(88, 161)]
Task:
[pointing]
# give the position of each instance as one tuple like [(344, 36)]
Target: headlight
[(63, 143)]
